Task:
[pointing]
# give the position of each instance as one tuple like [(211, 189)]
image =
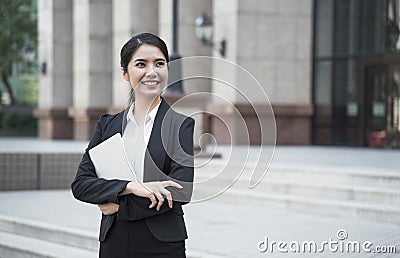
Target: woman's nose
[(150, 70)]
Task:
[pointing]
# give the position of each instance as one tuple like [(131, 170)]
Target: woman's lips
[(150, 83)]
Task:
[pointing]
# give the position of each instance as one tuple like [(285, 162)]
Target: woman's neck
[(143, 106)]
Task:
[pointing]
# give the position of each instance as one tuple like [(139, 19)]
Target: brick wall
[(28, 171)]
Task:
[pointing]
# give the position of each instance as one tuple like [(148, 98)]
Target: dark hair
[(138, 40)]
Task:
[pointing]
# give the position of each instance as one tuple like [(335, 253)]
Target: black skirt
[(133, 239)]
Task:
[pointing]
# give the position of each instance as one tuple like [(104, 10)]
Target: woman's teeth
[(150, 83)]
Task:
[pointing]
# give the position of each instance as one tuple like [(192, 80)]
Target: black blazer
[(169, 156)]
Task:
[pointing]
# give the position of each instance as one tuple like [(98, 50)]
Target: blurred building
[(330, 67), (356, 81)]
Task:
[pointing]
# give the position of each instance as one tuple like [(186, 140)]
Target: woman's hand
[(155, 191), (109, 208)]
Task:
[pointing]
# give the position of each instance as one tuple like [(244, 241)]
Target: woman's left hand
[(109, 208)]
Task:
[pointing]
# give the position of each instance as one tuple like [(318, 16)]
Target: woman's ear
[(125, 74)]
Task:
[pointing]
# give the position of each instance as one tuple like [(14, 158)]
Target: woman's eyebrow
[(145, 60), (140, 60)]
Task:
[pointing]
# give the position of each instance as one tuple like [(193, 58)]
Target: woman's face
[(147, 72)]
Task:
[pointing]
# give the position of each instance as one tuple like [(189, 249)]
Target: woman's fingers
[(171, 183), (160, 201), (153, 200), (161, 197), (167, 194), (169, 198), (157, 193)]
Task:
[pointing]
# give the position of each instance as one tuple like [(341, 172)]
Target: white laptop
[(109, 159)]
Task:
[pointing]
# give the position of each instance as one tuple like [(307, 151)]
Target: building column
[(188, 44), (190, 103), (92, 64), (55, 87), (129, 18), (272, 42)]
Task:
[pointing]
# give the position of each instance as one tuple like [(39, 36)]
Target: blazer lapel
[(114, 125), (158, 142)]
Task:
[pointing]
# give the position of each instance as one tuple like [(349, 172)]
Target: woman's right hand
[(155, 191)]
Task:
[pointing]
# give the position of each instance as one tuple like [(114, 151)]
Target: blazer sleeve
[(181, 171), (87, 187)]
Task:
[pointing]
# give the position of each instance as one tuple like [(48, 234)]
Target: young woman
[(144, 217)]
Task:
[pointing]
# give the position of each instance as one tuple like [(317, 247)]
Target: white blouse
[(136, 137)]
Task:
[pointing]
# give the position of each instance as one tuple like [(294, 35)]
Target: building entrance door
[(383, 106)]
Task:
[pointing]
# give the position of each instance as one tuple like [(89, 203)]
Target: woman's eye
[(140, 64), (160, 64)]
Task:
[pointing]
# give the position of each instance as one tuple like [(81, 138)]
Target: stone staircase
[(364, 193), (32, 239), (20, 238), (332, 191)]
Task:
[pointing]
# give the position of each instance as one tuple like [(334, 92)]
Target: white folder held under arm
[(110, 160)]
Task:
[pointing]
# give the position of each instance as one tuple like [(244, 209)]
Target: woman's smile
[(151, 83)]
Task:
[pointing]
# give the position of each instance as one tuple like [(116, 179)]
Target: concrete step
[(319, 206), (346, 192), (377, 178), (372, 195), (20, 238), (18, 246), (57, 234), (334, 175)]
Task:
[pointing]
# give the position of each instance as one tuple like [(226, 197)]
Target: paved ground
[(365, 158), (226, 229), (215, 228)]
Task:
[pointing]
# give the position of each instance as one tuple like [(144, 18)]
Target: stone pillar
[(129, 18), (272, 41), (92, 64), (188, 44), (55, 87), (225, 13)]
